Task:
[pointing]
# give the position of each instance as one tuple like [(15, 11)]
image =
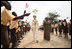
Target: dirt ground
[(55, 41)]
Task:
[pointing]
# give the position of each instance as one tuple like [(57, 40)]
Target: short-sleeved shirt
[(14, 24), (56, 25), (6, 16)]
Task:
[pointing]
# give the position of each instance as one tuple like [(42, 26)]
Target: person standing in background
[(47, 28), (52, 28), (65, 29), (70, 28), (60, 28), (56, 28)]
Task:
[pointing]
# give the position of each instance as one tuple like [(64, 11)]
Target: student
[(6, 16), (13, 28)]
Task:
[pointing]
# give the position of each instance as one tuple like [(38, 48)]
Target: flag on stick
[(35, 11), (27, 5)]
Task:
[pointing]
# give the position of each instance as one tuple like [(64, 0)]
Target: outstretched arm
[(21, 17)]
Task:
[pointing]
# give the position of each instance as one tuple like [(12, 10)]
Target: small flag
[(35, 11), (27, 5)]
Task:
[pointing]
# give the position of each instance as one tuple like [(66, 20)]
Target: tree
[(53, 16)]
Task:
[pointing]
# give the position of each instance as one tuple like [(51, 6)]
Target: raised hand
[(24, 11), (27, 14), (21, 17)]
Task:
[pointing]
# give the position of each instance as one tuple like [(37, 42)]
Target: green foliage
[(53, 17)]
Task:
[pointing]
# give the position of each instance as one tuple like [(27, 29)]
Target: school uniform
[(5, 18), (13, 27)]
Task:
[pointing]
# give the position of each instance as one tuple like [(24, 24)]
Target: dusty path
[(55, 42)]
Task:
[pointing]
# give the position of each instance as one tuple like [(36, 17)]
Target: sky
[(63, 8)]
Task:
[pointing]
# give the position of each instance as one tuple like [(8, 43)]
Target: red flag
[(27, 5), (35, 11)]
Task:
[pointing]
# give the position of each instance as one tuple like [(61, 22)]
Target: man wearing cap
[(35, 29)]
